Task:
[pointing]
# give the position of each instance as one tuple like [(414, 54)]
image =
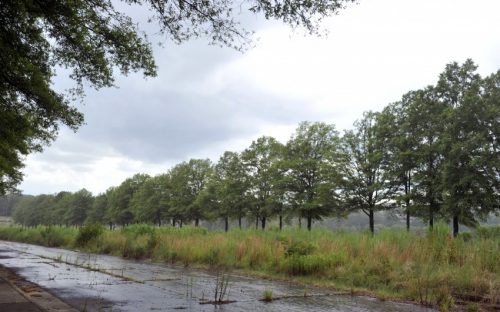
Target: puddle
[(80, 279)]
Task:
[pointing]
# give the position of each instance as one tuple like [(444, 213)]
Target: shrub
[(88, 233), (299, 248)]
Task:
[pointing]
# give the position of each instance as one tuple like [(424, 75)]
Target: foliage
[(261, 159), (431, 268), (91, 40), (88, 233), (434, 154), (310, 179)]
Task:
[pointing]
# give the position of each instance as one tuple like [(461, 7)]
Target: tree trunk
[(407, 192), (281, 222), (431, 216), (173, 222), (256, 223), (226, 224), (407, 218), (300, 222), (455, 225), (180, 223), (196, 222), (263, 222), (372, 221), (309, 223), (239, 222)]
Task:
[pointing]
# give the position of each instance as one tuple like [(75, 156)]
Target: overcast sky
[(207, 99)]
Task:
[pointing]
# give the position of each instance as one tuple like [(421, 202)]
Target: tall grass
[(430, 268)]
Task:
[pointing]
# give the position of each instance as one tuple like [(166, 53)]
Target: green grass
[(432, 268)]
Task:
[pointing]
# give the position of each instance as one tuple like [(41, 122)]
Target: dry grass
[(431, 268)]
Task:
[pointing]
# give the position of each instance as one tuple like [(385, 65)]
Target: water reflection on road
[(106, 283)]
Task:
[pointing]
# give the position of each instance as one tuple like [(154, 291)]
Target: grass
[(431, 268)]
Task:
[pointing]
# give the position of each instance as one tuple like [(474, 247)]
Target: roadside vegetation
[(433, 155), (430, 268)]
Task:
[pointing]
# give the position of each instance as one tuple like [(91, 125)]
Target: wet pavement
[(105, 283)]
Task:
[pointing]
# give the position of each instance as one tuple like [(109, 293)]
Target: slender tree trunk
[(226, 224), (196, 222), (407, 218), (239, 222), (455, 225), (180, 223), (372, 221), (431, 216), (407, 192), (263, 222), (281, 222), (173, 222), (309, 223), (300, 222), (256, 223)]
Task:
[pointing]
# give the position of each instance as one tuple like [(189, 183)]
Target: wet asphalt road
[(91, 282)]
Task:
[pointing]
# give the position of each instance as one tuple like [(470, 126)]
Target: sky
[(206, 99)]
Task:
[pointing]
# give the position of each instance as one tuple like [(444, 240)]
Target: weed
[(267, 295)]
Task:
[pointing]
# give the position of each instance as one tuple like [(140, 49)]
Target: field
[(430, 268)]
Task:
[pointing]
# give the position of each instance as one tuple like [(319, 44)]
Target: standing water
[(105, 283)]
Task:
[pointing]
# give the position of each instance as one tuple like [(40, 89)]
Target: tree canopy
[(92, 39), (434, 155)]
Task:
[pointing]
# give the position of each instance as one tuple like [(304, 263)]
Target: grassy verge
[(431, 268)]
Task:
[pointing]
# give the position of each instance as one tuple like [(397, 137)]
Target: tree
[(229, 185), (92, 39), (34, 210), (79, 205), (426, 114), (397, 126), (260, 160), (310, 170), (98, 211), (148, 203), (8, 202), (470, 187), (120, 210), (366, 186), (187, 181)]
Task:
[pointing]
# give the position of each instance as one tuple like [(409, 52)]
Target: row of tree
[(433, 154)]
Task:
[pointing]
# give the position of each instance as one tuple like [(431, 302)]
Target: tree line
[(434, 154)]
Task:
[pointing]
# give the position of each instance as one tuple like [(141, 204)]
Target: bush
[(88, 233), (307, 265), (52, 237), (299, 248)]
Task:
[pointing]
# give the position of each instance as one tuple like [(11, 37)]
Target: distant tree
[(58, 211), (229, 186), (260, 161), (98, 211), (78, 206), (8, 202), (119, 208), (426, 113), (148, 202), (366, 186), (187, 180), (470, 187), (396, 124), (34, 210), (311, 171)]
